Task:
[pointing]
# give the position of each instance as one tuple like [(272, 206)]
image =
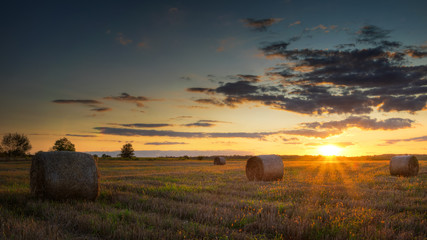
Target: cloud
[(143, 125), (322, 27), (101, 109), (62, 101), (339, 144), (164, 143), (203, 123), (371, 34), (122, 39), (417, 52), (226, 43), (80, 135), (260, 25), (295, 23), (248, 77), (292, 140), (169, 133), (142, 44), (415, 139), (312, 133), (125, 97), (181, 117), (348, 79), (362, 122)]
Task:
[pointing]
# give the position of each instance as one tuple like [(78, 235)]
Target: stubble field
[(191, 199)]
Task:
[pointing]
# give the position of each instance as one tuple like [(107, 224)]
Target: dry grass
[(198, 200)]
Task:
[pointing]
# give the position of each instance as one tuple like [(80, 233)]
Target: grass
[(192, 199)]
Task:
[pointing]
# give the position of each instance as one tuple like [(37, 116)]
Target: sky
[(216, 77)]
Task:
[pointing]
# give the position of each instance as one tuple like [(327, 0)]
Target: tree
[(104, 156), (63, 144), (127, 151), (15, 144)]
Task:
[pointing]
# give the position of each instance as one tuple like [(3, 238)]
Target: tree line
[(18, 145)]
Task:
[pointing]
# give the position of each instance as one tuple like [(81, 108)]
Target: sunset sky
[(216, 77)]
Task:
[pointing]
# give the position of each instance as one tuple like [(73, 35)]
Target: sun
[(329, 150)]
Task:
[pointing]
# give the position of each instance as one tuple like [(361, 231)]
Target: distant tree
[(127, 151), (63, 144), (15, 144), (200, 158), (105, 156), (185, 157)]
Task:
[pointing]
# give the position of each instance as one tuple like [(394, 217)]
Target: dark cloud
[(415, 139), (169, 133), (372, 34), (203, 123), (80, 135), (101, 109), (237, 88), (404, 103), (201, 90), (260, 25), (125, 97), (164, 143), (200, 124), (274, 48), (362, 122), (248, 77), (345, 80), (292, 140), (143, 125), (88, 101)]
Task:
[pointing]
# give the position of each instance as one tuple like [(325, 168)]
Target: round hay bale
[(64, 175), (404, 166), (219, 161), (264, 168)]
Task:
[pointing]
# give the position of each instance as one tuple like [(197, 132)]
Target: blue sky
[(161, 51)]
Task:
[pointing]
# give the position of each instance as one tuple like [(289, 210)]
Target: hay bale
[(264, 168), (219, 161), (404, 166), (64, 175)]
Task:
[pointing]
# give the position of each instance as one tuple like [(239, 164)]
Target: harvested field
[(188, 199)]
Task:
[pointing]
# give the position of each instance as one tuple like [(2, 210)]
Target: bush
[(15, 145)]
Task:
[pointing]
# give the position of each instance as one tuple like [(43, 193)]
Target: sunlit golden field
[(191, 199)]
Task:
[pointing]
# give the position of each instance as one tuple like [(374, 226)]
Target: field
[(191, 199)]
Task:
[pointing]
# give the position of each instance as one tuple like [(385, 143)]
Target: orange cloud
[(295, 23), (122, 39)]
